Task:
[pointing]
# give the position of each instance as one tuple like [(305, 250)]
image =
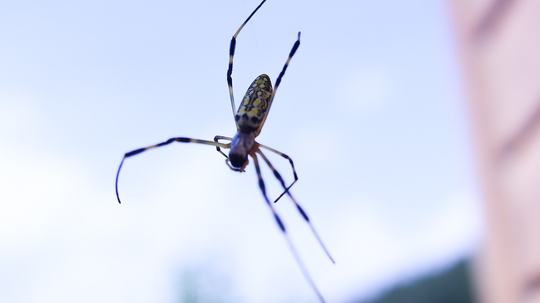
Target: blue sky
[(371, 110)]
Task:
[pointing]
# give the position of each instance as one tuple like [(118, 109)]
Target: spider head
[(241, 145), (238, 160)]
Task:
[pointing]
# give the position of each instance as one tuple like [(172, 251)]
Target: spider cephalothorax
[(241, 145)]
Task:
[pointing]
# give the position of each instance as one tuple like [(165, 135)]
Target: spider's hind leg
[(282, 226), (300, 209), (292, 166)]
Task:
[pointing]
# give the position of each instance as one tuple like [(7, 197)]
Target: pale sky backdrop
[(371, 110)]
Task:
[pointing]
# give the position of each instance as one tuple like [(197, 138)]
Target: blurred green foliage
[(451, 286)]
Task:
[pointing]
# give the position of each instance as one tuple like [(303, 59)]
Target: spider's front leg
[(171, 140), (216, 139)]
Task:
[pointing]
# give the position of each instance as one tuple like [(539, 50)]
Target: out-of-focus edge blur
[(499, 49)]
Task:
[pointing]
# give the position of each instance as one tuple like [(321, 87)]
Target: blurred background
[(382, 110)]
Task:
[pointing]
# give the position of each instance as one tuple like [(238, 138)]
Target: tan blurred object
[(499, 42)]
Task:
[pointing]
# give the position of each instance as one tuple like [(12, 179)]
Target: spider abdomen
[(255, 105)]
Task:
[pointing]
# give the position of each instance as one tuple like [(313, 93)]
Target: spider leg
[(291, 54), (231, 56), (216, 139), (282, 227), (300, 209), (292, 165), (278, 81), (171, 140)]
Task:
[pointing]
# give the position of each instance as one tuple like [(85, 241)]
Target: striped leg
[(231, 56), (282, 227), (278, 81), (216, 139), (291, 54), (171, 140), (292, 165), (300, 209)]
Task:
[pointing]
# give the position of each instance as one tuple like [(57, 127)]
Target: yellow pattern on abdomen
[(255, 105)]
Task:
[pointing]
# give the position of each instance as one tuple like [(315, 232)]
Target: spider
[(250, 119)]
